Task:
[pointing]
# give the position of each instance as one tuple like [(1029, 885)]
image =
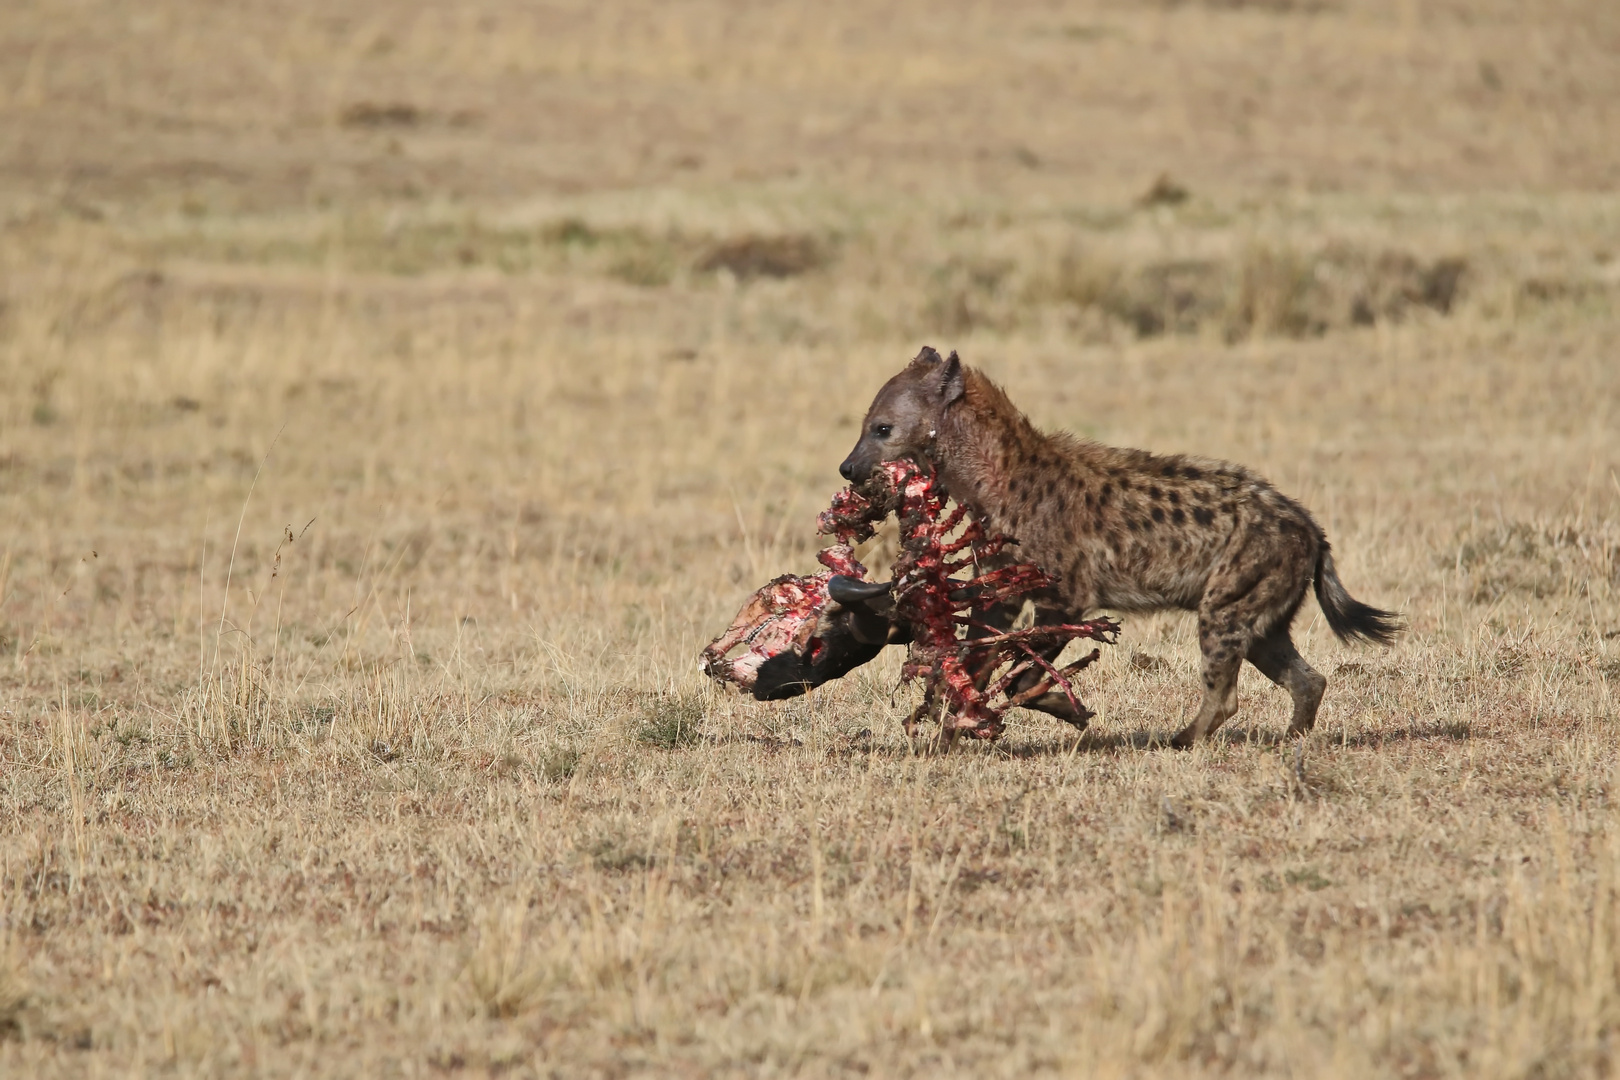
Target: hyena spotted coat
[(1127, 530)]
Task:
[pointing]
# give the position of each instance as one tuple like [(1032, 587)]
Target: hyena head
[(904, 418)]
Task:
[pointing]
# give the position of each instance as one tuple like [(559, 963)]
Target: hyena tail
[(1348, 617)]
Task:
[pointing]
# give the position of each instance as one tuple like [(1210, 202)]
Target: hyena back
[(1127, 530)]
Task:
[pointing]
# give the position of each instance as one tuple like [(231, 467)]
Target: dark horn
[(847, 590)]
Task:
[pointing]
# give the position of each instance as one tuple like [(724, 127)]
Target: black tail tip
[(1368, 623)]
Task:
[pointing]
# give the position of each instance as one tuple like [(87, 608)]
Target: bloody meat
[(949, 585)]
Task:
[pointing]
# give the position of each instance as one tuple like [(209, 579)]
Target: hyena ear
[(951, 383), (927, 357)]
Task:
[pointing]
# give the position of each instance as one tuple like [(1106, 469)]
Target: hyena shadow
[(1108, 742), (1098, 742), (1457, 731)]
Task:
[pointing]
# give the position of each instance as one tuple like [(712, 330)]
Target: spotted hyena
[(1127, 530)]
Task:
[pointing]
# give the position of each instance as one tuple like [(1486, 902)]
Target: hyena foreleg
[(1223, 641)]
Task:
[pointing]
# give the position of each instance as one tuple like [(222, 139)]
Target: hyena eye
[(882, 430)]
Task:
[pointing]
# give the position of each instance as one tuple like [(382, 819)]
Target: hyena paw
[(1185, 738)]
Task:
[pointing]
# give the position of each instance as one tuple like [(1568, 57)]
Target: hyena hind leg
[(1280, 662)]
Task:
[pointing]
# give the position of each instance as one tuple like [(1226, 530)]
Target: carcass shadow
[(1088, 742)]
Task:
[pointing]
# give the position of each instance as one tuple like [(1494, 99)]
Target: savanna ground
[(394, 398)]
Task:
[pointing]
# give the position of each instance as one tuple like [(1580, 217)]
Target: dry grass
[(393, 401)]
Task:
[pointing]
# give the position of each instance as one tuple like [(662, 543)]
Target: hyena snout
[(868, 453)]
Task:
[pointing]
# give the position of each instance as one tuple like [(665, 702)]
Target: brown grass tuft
[(369, 114), (14, 1003), (764, 256)]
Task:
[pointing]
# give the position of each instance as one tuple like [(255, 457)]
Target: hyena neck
[(983, 440)]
